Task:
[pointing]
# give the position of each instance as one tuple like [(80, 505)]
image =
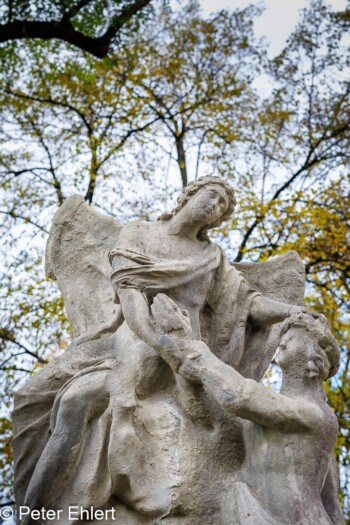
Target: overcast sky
[(278, 20)]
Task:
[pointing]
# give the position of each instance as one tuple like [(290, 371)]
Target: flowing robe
[(224, 315)]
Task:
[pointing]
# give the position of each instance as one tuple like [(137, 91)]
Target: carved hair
[(320, 331), (191, 189)]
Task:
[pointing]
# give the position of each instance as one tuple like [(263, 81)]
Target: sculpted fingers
[(170, 318)]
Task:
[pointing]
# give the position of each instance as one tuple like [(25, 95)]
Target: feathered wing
[(77, 257), (282, 279)]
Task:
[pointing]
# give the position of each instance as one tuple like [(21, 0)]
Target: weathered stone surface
[(76, 256), (125, 419), (288, 474)]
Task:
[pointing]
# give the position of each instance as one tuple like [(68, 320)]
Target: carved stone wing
[(283, 279), (76, 256)]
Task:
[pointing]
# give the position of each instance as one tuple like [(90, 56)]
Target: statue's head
[(199, 193), (307, 343)]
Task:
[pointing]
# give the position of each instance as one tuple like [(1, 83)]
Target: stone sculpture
[(289, 473), (116, 422)]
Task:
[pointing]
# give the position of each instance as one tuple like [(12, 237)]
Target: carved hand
[(296, 309), (178, 348)]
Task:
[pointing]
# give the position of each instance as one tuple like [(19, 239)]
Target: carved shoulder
[(134, 235)]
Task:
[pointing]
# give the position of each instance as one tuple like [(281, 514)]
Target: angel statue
[(110, 424)]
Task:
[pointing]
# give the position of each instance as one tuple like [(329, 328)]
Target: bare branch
[(311, 160), (7, 335), (56, 182), (53, 102), (15, 216)]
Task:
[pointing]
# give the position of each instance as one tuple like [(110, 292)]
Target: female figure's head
[(212, 202), (308, 346)]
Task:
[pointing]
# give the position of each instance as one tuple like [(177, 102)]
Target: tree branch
[(53, 103), (14, 215), (124, 139), (8, 335), (56, 182), (74, 10), (64, 30), (119, 20), (311, 160)]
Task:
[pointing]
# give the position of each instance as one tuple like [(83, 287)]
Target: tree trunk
[(181, 160), (93, 171)]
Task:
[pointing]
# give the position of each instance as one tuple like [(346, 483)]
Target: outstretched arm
[(265, 311), (236, 394), (245, 397)]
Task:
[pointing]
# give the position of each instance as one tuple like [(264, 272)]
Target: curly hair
[(191, 189), (319, 329)]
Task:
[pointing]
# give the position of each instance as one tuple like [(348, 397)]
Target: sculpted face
[(299, 352), (209, 204)]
